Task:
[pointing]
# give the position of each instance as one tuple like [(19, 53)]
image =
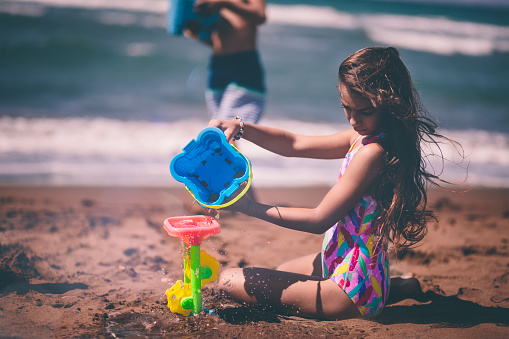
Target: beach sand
[(96, 262)]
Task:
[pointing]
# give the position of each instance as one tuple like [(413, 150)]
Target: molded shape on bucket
[(211, 168), (182, 11), (191, 229)]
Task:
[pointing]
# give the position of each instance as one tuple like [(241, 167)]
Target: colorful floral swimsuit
[(352, 255)]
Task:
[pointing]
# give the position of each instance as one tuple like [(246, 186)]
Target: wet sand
[(96, 262)]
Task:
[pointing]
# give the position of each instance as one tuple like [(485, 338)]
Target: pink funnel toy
[(192, 230)]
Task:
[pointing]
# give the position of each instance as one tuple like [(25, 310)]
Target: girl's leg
[(309, 265), (287, 292)]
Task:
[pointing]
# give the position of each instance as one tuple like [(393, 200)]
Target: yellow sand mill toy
[(200, 268)]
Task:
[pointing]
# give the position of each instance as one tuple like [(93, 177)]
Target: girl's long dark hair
[(378, 74)]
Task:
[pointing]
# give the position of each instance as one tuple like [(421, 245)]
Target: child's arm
[(353, 185), (289, 144)]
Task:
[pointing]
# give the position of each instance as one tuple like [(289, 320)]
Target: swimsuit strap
[(351, 147), (369, 141), (375, 138)]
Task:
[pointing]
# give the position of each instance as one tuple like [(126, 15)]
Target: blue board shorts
[(236, 86)]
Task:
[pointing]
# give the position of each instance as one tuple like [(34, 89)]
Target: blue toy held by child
[(212, 169), (181, 13)]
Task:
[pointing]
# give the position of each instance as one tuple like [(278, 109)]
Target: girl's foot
[(404, 287)]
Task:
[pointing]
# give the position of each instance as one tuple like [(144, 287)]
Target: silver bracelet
[(241, 130)]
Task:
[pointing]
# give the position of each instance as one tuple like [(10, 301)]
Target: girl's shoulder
[(370, 155), (357, 140), (374, 148)]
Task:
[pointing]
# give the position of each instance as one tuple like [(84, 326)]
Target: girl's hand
[(240, 205), (229, 127)]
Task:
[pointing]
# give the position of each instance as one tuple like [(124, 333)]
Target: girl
[(379, 198)]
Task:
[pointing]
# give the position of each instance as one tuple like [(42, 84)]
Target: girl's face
[(364, 118)]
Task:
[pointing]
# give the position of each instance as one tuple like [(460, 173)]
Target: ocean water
[(97, 93)]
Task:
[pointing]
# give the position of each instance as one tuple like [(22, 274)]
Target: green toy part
[(200, 269), (208, 271)]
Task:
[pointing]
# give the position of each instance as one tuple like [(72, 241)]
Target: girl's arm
[(343, 196), (289, 144)]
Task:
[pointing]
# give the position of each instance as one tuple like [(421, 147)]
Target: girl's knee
[(232, 284), (222, 281), (228, 281)]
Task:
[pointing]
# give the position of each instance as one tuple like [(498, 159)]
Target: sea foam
[(100, 151)]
